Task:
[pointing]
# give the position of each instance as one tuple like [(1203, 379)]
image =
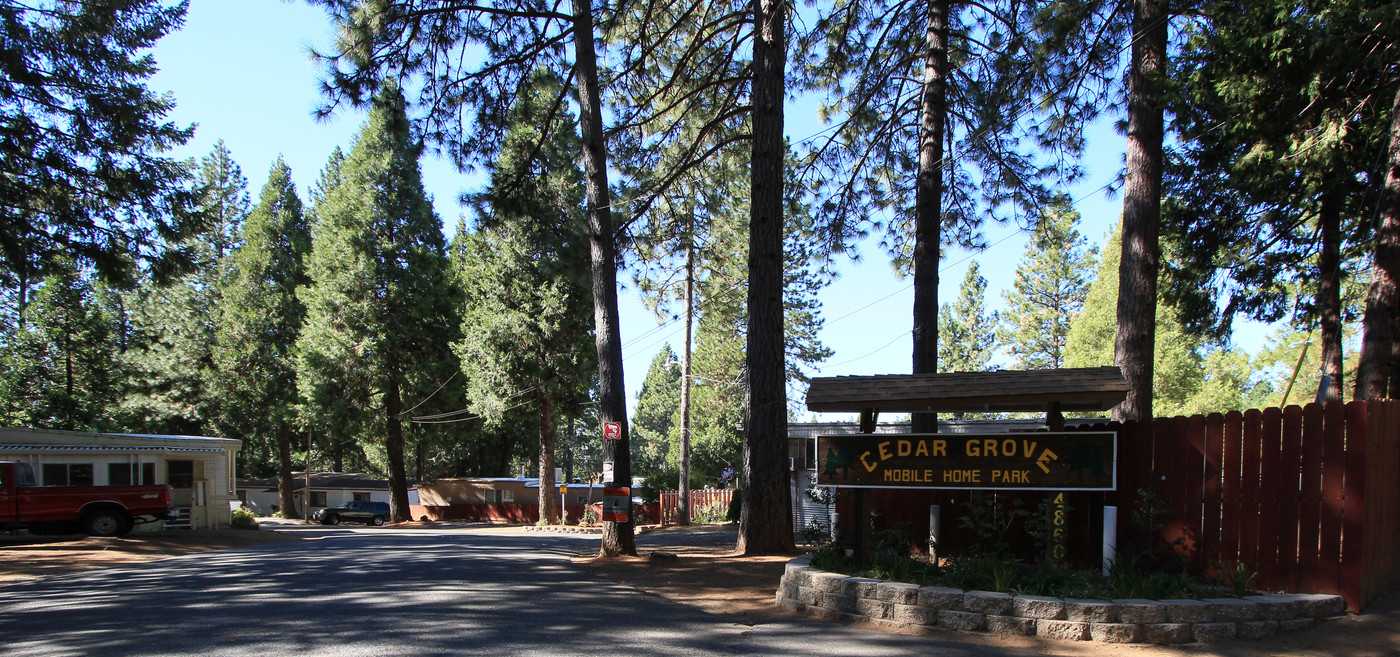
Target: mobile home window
[(318, 498), (360, 497), (67, 474), (180, 474), (120, 474)]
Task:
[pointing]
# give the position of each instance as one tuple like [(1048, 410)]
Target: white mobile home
[(198, 469)]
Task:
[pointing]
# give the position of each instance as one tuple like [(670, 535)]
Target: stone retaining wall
[(909, 607)]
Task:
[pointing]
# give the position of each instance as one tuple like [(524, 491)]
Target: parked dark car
[(370, 513)]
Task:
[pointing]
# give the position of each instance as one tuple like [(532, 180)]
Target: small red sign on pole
[(612, 430)]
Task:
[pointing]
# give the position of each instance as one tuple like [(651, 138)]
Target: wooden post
[(861, 537), (1054, 419)]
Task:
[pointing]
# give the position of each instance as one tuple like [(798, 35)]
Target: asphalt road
[(354, 591)]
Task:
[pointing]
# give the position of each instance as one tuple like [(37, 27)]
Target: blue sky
[(241, 71)]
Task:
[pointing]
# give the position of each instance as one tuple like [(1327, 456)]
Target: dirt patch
[(697, 566), (27, 557)]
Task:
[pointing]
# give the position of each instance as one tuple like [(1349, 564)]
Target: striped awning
[(104, 448)]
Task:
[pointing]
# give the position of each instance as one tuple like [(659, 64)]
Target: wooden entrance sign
[(1061, 461)]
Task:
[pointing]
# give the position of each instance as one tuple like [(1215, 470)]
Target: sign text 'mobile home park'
[(1026, 461)]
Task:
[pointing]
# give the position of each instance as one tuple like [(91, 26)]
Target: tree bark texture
[(1142, 211), (549, 497), (1377, 373), (928, 202), (1329, 293), (618, 537), (765, 518), (285, 497), (683, 514), (393, 448)]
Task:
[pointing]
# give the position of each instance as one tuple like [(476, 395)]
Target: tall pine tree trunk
[(1378, 376), (765, 518), (285, 497), (618, 537), (398, 480), (928, 201), (549, 502), (683, 514), (1142, 211), (1329, 292)]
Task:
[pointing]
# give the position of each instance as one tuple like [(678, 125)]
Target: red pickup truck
[(97, 510)]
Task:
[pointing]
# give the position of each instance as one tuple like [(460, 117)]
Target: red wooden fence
[(700, 501), (1308, 498)]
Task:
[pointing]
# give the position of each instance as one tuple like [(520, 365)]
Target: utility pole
[(683, 514)]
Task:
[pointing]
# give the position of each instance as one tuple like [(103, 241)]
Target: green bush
[(243, 519)]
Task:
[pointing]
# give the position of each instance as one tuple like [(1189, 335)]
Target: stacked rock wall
[(908, 607)]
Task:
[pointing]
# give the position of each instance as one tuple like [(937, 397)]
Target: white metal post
[(935, 516), (1110, 536)]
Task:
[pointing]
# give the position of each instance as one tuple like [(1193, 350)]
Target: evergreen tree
[(82, 173), (654, 420), (58, 371), (1051, 282), (524, 274), (380, 295), (260, 318), (1193, 374), (174, 381), (1273, 207), (464, 98), (223, 201), (947, 113), (967, 331)]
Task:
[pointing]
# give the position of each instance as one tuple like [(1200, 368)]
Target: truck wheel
[(330, 519), (378, 521), (106, 522)]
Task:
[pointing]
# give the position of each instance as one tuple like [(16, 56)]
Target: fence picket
[(1328, 574), (1248, 523), (1309, 499), (1212, 457), (1290, 468), (1270, 439), (1230, 517)]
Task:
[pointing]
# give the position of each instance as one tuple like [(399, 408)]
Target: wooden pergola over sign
[(1053, 392)]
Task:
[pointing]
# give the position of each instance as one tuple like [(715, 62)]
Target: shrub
[(243, 519)]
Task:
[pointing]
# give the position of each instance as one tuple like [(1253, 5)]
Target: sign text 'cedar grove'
[(1039, 460)]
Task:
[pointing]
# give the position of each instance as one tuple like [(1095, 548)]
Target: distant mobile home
[(327, 489)]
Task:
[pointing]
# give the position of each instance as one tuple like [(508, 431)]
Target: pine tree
[(1193, 373), (58, 371), (654, 420), (223, 200), (174, 382), (380, 295), (524, 274), (1051, 283), (967, 332), (1277, 213), (82, 172), (437, 48), (260, 318)]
